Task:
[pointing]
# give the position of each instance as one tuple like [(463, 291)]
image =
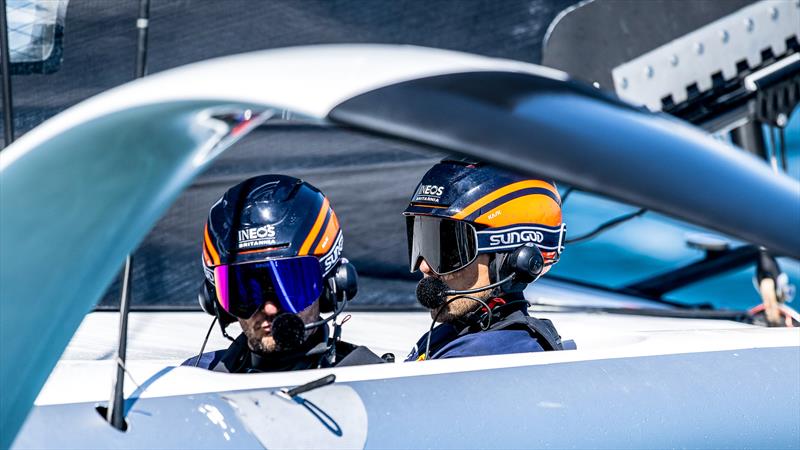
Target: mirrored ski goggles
[(450, 245), (243, 289)]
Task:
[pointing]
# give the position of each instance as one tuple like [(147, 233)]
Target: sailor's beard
[(459, 308), (261, 340), (263, 345), (258, 340)]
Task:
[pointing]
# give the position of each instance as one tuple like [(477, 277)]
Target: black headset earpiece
[(525, 262), (343, 282), (208, 303), (205, 297)]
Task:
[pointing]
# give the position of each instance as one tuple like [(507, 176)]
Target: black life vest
[(542, 330)]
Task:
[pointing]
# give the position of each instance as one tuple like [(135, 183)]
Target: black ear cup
[(208, 303), (342, 283), (525, 262), (205, 296)]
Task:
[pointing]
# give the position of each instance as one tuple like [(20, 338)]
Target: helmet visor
[(243, 289), (446, 245)]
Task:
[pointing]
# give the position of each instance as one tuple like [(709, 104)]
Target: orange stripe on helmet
[(210, 247), (533, 208), (323, 211), (492, 196), (329, 236), (206, 257)]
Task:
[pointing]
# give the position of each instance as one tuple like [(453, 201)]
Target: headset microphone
[(288, 330), (431, 292), (525, 265)]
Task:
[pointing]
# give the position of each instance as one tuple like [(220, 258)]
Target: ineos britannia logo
[(516, 237), (430, 189), (429, 193), (257, 237)]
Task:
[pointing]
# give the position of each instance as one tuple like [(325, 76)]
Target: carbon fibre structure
[(589, 39), (117, 161), (567, 131), (694, 63)]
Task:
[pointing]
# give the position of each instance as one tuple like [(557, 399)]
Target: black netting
[(368, 179)]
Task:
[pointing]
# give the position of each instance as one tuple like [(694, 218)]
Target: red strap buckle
[(494, 302)]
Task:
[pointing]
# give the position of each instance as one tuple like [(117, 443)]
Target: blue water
[(653, 244)]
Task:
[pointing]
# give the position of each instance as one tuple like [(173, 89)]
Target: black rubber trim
[(572, 133)]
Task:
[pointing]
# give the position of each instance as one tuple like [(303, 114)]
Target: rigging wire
[(205, 341), (603, 226), (566, 194), (782, 146), (5, 64), (115, 413), (606, 226), (771, 151)]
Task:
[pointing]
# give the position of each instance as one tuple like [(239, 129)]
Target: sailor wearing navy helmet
[(272, 259), (480, 235)]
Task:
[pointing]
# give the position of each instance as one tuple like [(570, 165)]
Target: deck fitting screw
[(674, 60), (648, 71), (773, 13), (749, 24), (725, 36), (699, 48), (624, 83)]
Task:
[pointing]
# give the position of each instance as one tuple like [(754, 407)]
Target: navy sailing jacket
[(516, 332)]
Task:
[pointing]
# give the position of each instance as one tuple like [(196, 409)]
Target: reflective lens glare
[(294, 283), (447, 245)]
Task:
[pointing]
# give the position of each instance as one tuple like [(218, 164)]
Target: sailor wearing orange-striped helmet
[(480, 235)]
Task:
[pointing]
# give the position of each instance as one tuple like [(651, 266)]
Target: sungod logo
[(516, 237), (333, 254), (257, 237)]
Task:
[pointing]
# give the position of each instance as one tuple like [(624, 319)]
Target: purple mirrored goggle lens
[(242, 289)]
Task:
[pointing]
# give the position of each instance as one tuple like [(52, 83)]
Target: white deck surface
[(179, 335), (161, 340)]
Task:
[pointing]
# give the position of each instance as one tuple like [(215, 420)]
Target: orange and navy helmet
[(462, 209), (271, 217)]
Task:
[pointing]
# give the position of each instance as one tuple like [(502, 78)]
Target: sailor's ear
[(340, 285)]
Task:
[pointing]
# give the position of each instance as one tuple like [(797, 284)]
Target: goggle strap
[(561, 237), (510, 237)]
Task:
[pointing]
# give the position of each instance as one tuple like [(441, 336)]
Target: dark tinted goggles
[(243, 289), (447, 245)]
